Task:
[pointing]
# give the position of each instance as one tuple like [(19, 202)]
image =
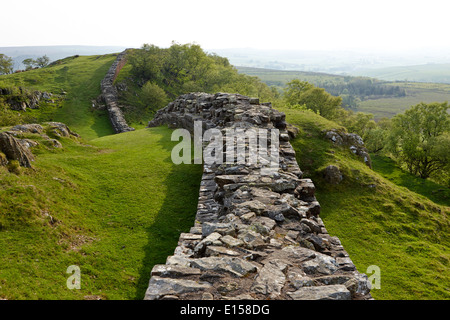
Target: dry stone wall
[(256, 235), (110, 95)]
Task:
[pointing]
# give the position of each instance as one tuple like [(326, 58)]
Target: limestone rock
[(31, 128), (332, 292), (235, 266), (60, 129), (270, 279), (332, 174), (14, 150), (160, 287), (351, 140), (321, 264), (163, 270), (231, 241)]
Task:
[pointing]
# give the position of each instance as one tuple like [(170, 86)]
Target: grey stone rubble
[(351, 140), (255, 236), (110, 96)]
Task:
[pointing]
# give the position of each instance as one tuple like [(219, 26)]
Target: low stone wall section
[(110, 95), (256, 235)]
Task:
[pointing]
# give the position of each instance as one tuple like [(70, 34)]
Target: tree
[(317, 99), (420, 138), (152, 96), (6, 64), (29, 63), (147, 63), (184, 68), (43, 61), (40, 62)]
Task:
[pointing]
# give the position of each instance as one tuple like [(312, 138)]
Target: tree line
[(7, 63), (356, 89), (159, 75)]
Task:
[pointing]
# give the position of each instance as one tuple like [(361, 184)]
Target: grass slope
[(80, 77), (379, 222), (117, 207)]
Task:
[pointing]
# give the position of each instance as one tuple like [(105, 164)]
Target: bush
[(152, 96)]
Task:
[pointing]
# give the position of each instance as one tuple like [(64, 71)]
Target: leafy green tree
[(29, 63), (147, 63), (420, 138), (294, 90), (152, 96), (42, 62), (6, 64), (317, 99), (375, 137)]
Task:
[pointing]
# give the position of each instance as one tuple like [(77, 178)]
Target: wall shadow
[(176, 215)]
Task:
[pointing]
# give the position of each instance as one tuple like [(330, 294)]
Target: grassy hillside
[(380, 223), (80, 78), (416, 92), (114, 205), (420, 73), (114, 208)]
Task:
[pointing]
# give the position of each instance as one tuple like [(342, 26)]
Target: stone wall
[(257, 235), (110, 96)]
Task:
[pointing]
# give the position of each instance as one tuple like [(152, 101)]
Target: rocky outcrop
[(14, 150), (110, 96), (19, 99), (332, 174), (13, 146), (257, 232), (351, 140)]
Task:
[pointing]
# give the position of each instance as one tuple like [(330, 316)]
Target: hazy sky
[(276, 24)]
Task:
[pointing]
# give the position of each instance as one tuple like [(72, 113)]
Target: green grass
[(420, 73), (80, 77), (114, 205), (388, 169), (378, 222), (118, 206), (415, 94)]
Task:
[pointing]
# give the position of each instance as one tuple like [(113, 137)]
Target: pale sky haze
[(281, 24)]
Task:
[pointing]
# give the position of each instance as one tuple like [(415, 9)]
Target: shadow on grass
[(427, 188), (177, 214)]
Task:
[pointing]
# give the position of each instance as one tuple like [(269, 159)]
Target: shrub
[(152, 96)]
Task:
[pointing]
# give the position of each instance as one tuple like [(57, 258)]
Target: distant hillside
[(384, 105), (54, 52), (332, 61), (420, 73)]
